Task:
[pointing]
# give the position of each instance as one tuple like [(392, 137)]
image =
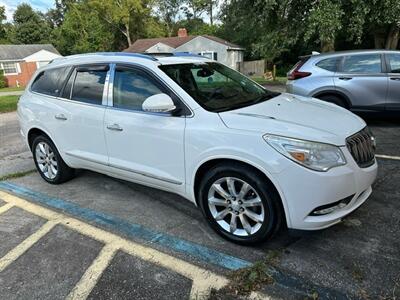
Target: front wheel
[(239, 204)]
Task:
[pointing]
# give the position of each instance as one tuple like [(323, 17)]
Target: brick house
[(207, 45), (19, 62)]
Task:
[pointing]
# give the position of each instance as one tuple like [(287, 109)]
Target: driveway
[(357, 259), (13, 93)]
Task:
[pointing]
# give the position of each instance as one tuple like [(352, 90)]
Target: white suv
[(251, 159)]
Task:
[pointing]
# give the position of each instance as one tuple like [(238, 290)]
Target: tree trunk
[(392, 38), (327, 46), (128, 35), (211, 12)]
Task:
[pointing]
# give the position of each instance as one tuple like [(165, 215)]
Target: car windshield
[(215, 87)]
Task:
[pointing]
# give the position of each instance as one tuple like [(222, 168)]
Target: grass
[(16, 175), (12, 89), (244, 281), (277, 81), (8, 103)]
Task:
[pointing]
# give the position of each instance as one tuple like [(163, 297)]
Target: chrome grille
[(362, 147)]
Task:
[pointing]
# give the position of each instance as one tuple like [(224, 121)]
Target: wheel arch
[(34, 132), (206, 165), (334, 93)]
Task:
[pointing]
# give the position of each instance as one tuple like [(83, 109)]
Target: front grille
[(362, 147)]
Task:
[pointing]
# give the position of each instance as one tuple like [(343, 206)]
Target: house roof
[(17, 52), (141, 45)]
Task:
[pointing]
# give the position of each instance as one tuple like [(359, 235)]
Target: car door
[(145, 147), (362, 79), (79, 126), (393, 97)]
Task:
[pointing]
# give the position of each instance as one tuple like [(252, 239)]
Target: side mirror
[(158, 103)]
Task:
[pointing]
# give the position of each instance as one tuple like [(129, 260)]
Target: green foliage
[(82, 31), (29, 27), (3, 81)]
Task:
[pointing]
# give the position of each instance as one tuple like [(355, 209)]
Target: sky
[(11, 5)]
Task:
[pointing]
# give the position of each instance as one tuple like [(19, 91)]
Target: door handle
[(345, 78), (395, 78), (61, 117), (114, 127)]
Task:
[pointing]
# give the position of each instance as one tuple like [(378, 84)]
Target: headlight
[(313, 155)]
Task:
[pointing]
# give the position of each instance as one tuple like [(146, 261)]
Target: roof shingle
[(11, 52), (141, 45)]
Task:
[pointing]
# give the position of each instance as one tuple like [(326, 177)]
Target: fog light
[(329, 208)]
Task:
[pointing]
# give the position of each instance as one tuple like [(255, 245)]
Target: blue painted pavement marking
[(130, 229)]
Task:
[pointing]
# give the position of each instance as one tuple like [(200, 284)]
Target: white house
[(210, 46), (19, 62)]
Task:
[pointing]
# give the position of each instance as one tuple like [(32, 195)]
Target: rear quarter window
[(50, 82), (329, 64)]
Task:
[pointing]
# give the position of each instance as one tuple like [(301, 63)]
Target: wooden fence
[(252, 68)]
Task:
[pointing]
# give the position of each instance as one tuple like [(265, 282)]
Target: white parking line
[(387, 157), (5, 207)]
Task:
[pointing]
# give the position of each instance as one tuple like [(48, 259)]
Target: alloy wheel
[(46, 160), (236, 206)]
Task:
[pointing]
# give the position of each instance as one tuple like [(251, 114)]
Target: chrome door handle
[(395, 78), (345, 78), (60, 117), (114, 127)]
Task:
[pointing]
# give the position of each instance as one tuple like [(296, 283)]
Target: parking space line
[(93, 273), (5, 207), (387, 157), (203, 280), (133, 230), (13, 255)]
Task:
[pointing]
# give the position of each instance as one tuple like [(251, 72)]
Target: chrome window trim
[(110, 85)]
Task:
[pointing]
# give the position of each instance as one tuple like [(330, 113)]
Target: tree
[(56, 15), (325, 21), (168, 10), (2, 19), (120, 13), (82, 31), (29, 27)]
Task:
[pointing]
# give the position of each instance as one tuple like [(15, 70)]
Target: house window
[(210, 54), (9, 68)]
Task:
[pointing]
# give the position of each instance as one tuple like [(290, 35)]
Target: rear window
[(329, 64), (50, 82), (366, 64)]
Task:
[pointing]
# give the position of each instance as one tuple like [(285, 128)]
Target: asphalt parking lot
[(99, 237)]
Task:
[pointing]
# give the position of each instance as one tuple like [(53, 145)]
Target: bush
[(3, 82)]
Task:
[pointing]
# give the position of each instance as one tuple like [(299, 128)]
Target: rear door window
[(364, 64), (50, 82), (394, 63), (89, 84), (329, 64)]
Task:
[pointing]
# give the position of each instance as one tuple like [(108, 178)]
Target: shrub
[(3, 82)]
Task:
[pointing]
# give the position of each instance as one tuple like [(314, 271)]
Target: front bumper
[(305, 190)]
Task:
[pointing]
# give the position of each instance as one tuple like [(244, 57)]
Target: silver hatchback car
[(362, 80)]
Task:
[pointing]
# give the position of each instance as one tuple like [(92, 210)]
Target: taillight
[(295, 73)]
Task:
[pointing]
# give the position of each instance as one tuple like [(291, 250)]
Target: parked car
[(252, 160), (362, 80)]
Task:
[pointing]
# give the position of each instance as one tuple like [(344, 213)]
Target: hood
[(296, 117)]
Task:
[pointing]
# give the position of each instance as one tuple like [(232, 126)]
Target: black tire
[(64, 173), (273, 215), (335, 100)]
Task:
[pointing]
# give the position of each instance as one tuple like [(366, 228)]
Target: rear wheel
[(239, 204), (334, 99), (48, 161)]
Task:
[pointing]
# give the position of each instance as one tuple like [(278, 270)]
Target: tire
[(268, 208), (334, 99), (48, 161)]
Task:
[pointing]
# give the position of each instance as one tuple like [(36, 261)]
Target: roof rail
[(129, 54), (168, 54)]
